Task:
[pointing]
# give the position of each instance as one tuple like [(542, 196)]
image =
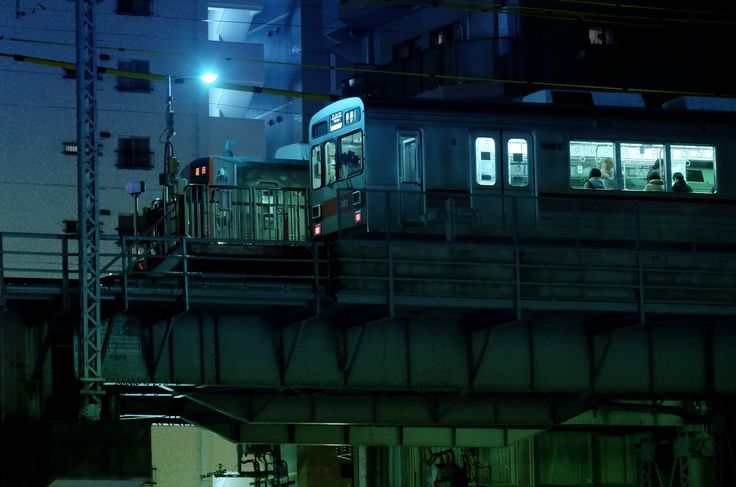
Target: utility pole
[(89, 353)]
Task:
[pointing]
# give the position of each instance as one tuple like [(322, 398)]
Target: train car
[(522, 168), (245, 198)]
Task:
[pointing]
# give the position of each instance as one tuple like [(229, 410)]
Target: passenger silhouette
[(594, 180), (680, 186), (654, 182)]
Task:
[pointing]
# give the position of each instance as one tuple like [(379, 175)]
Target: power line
[(160, 77), (352, 69), (684, 15)]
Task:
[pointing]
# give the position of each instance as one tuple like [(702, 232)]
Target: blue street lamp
[(168, 178)]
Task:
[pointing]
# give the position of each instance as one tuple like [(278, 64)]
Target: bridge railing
[(261, 213), (129, 264), (228, 270), (685, 222)]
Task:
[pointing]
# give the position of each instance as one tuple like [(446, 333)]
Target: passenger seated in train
[(680, 186), (594, 180), (654, 182)]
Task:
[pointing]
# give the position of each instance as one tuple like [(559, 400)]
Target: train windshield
[(351, 155)]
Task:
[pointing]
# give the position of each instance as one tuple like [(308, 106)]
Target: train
[(476, 169), (520, 169), (245, 198)]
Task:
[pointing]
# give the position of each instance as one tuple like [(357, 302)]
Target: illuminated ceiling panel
[(229, 24), (229, 103)]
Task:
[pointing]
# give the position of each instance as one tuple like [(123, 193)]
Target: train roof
[(588, 98), (297, 152), (709, 103), (706, 109), (249, 161), (261, 161)]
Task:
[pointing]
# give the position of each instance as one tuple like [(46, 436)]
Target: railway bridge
[(396, 341)]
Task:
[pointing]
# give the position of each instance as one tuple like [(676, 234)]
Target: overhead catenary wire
[(663, 14), (329, 97), (161, 77), (468, 5)]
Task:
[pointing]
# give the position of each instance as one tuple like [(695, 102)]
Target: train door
[(411, 177), (486, 198), (517, 180)]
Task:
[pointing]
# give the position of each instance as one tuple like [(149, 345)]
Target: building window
[(134, 153), (134, 7), (407, 48), (69, 148), (72, 149), (133, 84), (601, 36), (448, 33)]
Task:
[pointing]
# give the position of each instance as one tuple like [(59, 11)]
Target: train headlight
[(358, 216), (317, 230)]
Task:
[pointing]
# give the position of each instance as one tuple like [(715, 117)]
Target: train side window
[(697, 163), (409, 154), (485, 161), (639, 161), (330, 162), (351, 155), (316, 162), (517, 154), (586, 155)]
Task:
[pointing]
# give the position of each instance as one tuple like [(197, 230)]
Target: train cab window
[(409, 154), (638, 161), (518, 162), (316, 162), (485, 161), (330, 162), (586, 155), (697, 163), (351, 155)]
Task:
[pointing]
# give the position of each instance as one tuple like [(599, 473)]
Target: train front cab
[(337, 170)]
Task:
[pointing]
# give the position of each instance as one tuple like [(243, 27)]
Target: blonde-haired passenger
[(608, 173)]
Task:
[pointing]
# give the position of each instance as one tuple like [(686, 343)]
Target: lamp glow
[(208, 77)]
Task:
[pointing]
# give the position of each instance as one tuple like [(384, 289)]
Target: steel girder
[(435, 370)]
